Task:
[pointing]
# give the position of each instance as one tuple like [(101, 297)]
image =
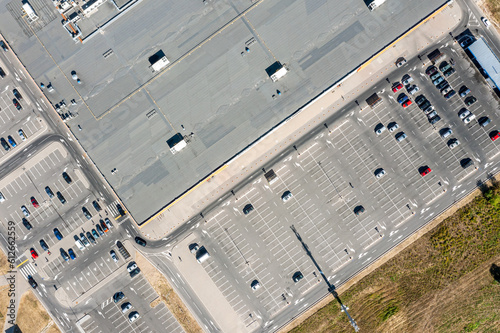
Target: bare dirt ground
[(439, 280), (167, 295), (32, 317)]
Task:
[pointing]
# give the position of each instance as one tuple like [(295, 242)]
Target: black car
[(470, 100), (247, 209), (17, 94), (434, 120), (16, 104), (118, 297), (27, 224), (86, 213), (90, 237), (5, 145), (424, 105), (483, 121), (450, 94), (2, 73), (297, 276), (49, 192), (359, 210), (44, 245), (32, 282), (140, 241), (66, 177), (60, 197), (420, 99), (96, 205), (120, 210), (431, 70), (443, 85), (4, 46)]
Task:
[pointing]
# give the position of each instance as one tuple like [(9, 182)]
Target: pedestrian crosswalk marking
[(28, 269)]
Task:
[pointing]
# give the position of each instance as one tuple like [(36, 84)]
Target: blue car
[(12, 142), (95, 234), (71, 254), (402, 98), (58, 234)]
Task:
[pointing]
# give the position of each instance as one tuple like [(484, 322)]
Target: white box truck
[(375, 3)]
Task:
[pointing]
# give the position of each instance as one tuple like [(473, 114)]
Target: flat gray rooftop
[(213, 88)]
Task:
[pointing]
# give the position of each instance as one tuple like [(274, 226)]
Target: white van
[(79, 244), (202, 255)]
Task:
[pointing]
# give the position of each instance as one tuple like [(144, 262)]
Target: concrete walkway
[(430, 31)]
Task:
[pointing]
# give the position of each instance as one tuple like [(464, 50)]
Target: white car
[(255, 285), (400, 62), (79, 244), (469, 118), (413, 90), (407, 79), (464, 114), (132, 267), (286, 196), (486, 22), (133, 316), (126, 306), (25, 211), (393, 126), (380, 173), (380, 129), (112, 253), (454, 143)]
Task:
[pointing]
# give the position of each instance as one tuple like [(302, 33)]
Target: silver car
[(464, 114), (25, 211), (380, 173)]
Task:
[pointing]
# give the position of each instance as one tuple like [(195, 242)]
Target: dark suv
[(247, 209)]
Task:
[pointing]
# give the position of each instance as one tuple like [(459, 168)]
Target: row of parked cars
[(6, 144), (126, 306)]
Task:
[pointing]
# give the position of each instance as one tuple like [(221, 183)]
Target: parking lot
[(349, 186), (109, 317)]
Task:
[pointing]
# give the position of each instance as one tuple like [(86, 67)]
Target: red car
[(407, 103), (425, 171), (494, 135), (33, 253), (34, 202), (397, 87)]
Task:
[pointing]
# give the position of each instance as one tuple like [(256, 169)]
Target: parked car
[(61, 197), (434, 120), (393, 126), (49, 192), (44, 245), (58, 234), (247, 209), (470, 100), (34, 202), (379, 173), (34, 254), (397, 87), (5, 145), (286, 196), (453, 143), (72, 254), (96, 205), (95, 234), (255, 285), (450, 94), (406, 104), (379, 129), (17, 94), (11, 141), (425, 171), (86, 213), (412, 90), (90, 238), (118, 296), (16, 104), (402, 98), (66, 177), (25, 211), (4, 46), (407, 79), (400, 62), (484, 121), (113, 255), (84, 240), (470, 118), (21, 134), (400, 136), (126, 306), (133, 316), (358, 210), (494, 135), (103, 225), (108, 223), (26, 224), (463, 91), (464, 113), (64, 255), (431, 70), (99, 230), (297, 276)]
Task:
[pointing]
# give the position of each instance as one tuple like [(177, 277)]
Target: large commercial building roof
[(216, 85), (487, 59)]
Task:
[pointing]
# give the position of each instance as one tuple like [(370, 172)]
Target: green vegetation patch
[(440, 283)]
